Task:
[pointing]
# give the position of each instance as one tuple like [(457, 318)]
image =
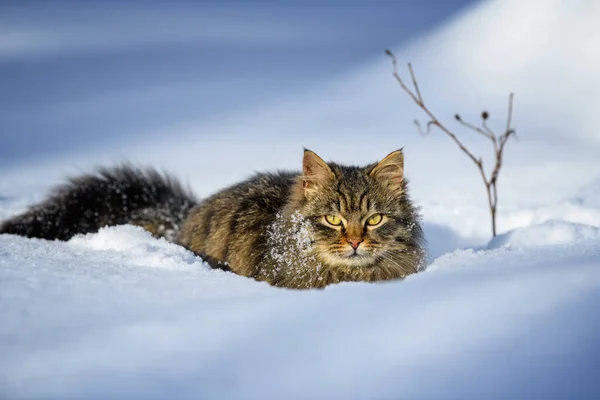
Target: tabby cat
[(328, 224)]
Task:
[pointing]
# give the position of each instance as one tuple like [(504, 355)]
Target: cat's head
[(360, 215)]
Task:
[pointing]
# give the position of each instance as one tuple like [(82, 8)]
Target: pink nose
[(354, 243)]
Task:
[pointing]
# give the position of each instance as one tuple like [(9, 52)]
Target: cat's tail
[(110, 196)]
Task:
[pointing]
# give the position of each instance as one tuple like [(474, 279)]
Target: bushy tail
[(108, 197)]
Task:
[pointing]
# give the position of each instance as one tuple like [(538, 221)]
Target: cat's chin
[(354, 260)]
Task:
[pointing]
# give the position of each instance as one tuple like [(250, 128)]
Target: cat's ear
[(315, 171), (390, 169)]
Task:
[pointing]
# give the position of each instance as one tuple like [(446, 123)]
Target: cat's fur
[(271, 227)]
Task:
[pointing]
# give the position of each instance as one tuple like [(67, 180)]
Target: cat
[(327, 224)]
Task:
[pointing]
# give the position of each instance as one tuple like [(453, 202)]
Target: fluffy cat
[(327, 224)]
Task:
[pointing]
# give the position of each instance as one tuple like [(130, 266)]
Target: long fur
[(107, 197), (269, 227)]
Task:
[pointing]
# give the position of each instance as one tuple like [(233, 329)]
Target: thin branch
[(510, 113), (400, 81), (477, 129), (486, 127), (433, 118), (415, 84), (421, 131), (491, 183)]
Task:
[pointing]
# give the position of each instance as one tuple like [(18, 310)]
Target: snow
[(546, 234), (119, 314), (147, 319)]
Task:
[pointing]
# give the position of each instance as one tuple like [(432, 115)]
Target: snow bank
[(119, 314), (546, 234), (136, 246)]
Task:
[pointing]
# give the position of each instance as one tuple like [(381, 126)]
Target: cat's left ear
[(390, 169), (315, 171)]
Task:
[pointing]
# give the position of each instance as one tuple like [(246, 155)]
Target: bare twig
[(486, 133), (498, 142), (415, 84), (510, 112), (421, 131)]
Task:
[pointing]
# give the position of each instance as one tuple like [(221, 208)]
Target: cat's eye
[(333, 220), (374, 219)]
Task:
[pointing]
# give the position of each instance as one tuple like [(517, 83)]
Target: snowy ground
[(119, 314)]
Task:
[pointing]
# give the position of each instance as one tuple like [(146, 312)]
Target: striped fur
[(270, 227)]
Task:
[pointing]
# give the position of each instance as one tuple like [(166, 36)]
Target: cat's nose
[(354, 243)]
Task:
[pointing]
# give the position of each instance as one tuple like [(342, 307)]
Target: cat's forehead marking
[(344, 200), (363, 201), (349, 202)]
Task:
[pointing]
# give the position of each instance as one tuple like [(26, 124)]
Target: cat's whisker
[(394, 262), (390, 259)]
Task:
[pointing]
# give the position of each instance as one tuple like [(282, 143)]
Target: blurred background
[(213, 91), (77, 74)]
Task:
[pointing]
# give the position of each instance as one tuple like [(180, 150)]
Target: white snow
[(119, 314), (93, 318), (546, 234)]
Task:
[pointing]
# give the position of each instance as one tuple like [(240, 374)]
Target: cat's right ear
[(315, 171), (390, 170)]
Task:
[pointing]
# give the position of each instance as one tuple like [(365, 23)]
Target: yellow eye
[(333, 220), (374, 219)]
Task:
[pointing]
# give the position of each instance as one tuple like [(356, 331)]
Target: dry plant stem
[(498, 142)]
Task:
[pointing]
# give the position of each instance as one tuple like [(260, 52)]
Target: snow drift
[(120, 314)]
